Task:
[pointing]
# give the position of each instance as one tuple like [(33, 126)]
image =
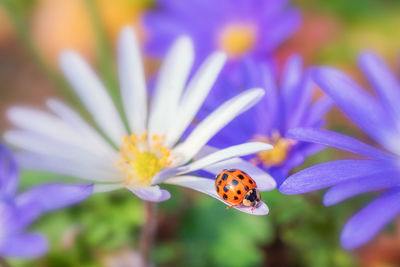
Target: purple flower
[(287, 104), (379, 117), (17, 212), (236, 27)]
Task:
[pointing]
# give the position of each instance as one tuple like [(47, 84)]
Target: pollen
[(143, 157), (237, 39), (277, 155)]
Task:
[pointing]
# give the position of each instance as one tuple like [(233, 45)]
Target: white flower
[(149, 152)]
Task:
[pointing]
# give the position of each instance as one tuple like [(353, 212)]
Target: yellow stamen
[(237, 39), (141, 159), (277, 155)]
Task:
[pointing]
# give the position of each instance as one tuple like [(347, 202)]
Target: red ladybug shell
[(233, 184)]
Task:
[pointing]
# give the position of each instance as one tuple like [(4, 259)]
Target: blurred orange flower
[(65, 24)]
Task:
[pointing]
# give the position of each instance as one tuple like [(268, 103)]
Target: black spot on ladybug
[(224, 176), (236, 198), (218, 176), (246, 188), (239, 192), (241, 177), (225, 197), (217, 188), (250, 181), (219, 182), (226, 188), (235, 182), (231, 170)]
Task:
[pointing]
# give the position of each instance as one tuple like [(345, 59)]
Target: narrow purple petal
[(317, 110), (291, 76), (339, 141), (327, 174), (365, 224), (359, 106), (384, 82), (152, 194), (55, 196), (351, 188), (270, 106), (24, 246), (300, 102), (8, 173)]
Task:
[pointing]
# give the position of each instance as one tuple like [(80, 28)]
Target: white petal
[(165, 174), (101, 188), (93, 94), (264, 181), (213, 158), (90, 137), (193, 97), (225, 154), (153, 194), (74, 169), (169, 86), (215, 122), (51, 148), (132, 80), (207, 186), (44, 124)]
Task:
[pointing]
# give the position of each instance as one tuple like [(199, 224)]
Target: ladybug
[(236, 187)]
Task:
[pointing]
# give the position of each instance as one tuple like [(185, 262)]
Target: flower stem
[(148, 232), (4, 263)]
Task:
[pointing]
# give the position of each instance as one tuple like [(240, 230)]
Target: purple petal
[(361, 185), (153, 194), (330, 173), (318, 110), (359, 106), (7, 216), (270, 105), (13, 220), (339, 141), (282, 28), (24, 216), (207, 186), (383, 81), (365, 224), (55, 196), (24, 246), (291, 76), (8, 173), (301, 102)]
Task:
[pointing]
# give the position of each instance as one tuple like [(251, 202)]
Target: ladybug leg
[(253, 206), (231, 206)]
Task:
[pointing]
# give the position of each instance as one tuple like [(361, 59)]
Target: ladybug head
[(252, 198)]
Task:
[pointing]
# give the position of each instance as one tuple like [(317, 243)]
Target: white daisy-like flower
[(148, 150)]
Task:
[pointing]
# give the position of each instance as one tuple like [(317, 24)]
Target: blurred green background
[(193, 229)]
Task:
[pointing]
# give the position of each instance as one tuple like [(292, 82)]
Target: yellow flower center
[(237, 39), (277, 155), (142, 158)]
